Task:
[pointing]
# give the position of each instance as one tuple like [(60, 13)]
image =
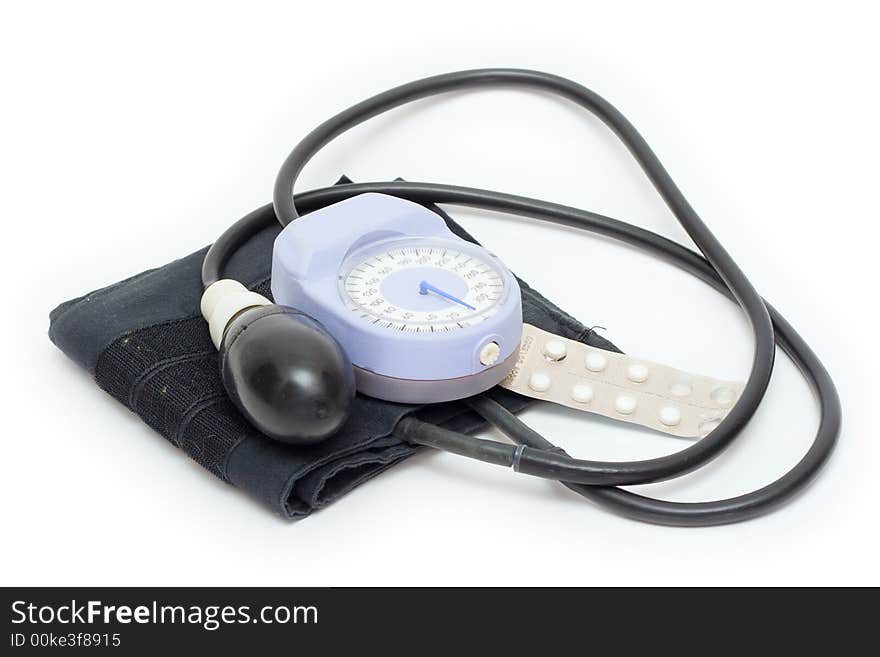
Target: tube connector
[(223, 300)]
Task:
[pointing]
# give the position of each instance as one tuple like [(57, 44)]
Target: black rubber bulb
[(286, 374)]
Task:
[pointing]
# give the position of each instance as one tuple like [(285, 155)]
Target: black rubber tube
[(417, 432), (716, 268)]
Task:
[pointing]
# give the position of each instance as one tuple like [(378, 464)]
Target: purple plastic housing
[(396, 365)]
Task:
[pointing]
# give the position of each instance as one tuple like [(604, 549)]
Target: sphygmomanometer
[(377, 299)]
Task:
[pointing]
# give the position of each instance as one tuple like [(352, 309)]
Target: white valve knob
[(222, 301)]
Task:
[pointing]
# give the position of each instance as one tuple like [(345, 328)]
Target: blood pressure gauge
[(424, 315)]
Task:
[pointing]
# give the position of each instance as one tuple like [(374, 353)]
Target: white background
[(130, 137)]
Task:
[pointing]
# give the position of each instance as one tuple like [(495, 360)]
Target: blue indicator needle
[(425, 287)]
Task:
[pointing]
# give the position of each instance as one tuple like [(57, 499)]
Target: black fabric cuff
[(147, 345)]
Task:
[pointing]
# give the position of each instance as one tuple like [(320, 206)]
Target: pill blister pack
[(619, 386)]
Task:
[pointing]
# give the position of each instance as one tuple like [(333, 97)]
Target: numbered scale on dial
[(422, 286)]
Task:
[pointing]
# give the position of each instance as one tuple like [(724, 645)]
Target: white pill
[(625, 404), (539, 382), (681, 389), (723, 395), (637, 372), (707, 426), (554, 350), (582, 393), (670, 416), (596, 362)]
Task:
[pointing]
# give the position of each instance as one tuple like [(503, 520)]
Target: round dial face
[(423, 285)]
